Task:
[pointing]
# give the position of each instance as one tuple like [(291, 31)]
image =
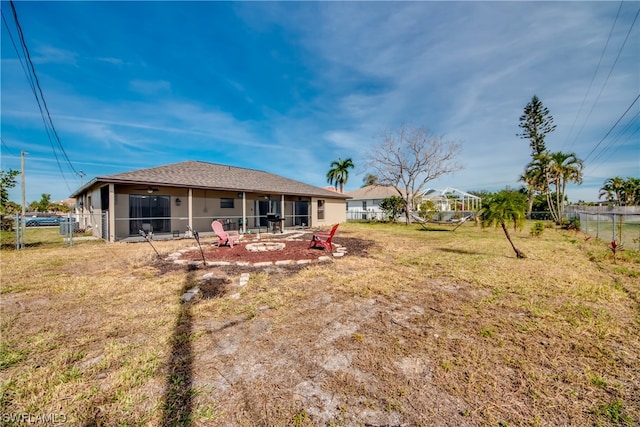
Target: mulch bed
[(294, 250)]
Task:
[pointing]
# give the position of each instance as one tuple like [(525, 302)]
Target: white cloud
[(46, 54), (462, 69), (111, 60), (150, 87)]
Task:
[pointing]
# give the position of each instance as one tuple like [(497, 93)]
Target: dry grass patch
[(412, 327)]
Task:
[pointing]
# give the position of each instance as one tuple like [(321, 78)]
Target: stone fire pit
[(265, 246)]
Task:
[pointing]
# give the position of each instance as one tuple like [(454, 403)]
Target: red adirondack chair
[(323, 239), (224, 237)]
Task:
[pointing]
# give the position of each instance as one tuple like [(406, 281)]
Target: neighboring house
[(169, 199), (365, 202)]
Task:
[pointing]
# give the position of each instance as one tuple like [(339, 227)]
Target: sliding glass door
[(301, 212), (149, 213)]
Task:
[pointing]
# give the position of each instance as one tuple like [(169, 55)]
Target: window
[(364, 205), (320, 209), (226, 203)]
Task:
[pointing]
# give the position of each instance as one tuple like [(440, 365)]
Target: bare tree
[(409, 158)]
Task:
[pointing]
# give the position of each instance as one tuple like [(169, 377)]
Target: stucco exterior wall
[(207, 207), (334, 212), (90, 212), (198, 208), (122, 214)]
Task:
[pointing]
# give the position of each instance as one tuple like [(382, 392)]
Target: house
[(365, 202), (171, 199)]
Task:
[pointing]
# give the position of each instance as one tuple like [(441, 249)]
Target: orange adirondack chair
[(323, 239), (225, 237)]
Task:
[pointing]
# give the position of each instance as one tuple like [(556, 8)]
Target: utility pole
[(24, 202)]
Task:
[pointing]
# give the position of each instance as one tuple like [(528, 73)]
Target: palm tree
[(369, 179), (505, 207), (562, 169), (534, 176), (613, 189), (632, 191), (339, 173)]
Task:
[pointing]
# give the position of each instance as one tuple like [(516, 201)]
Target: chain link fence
[(621, 225)]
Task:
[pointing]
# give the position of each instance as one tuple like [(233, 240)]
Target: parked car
[(37, 220)]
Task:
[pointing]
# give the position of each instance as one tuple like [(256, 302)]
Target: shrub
[(7, 222), (615, 247), (392, 206), (570, 224), (537, 229)]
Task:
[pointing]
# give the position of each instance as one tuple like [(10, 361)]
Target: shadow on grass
[(12, 245), (178, 398), (178, 395), (460, 251), (426, 228)]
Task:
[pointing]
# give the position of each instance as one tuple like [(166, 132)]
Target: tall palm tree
[(535, 178), (502, 208), (339, 172), (562, 169), (613, 189)]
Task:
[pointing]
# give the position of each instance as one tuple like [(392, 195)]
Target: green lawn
[(628, 233), (412, 327)]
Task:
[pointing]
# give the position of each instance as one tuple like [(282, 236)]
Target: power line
[(50, 126), (610, 130), (7, 147), (608, 75), (623, 133), (594, 73), (630, 137), (30, 79), (37, 82), (13, 42)]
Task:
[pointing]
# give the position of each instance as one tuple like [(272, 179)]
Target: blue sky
[(288, 87)]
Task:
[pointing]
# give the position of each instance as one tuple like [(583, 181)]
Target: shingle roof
[(197, 174), (373, 192)]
